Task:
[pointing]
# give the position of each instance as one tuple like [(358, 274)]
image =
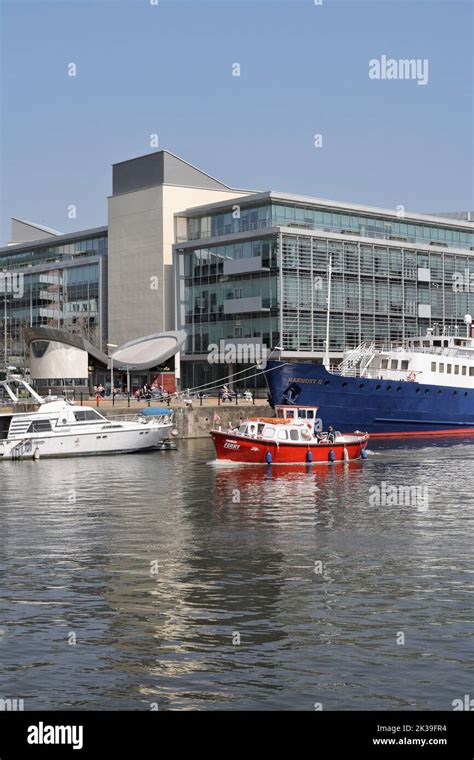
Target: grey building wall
[(135, 266)]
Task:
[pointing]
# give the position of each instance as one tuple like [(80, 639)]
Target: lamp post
[(5, 301), (112, 345)]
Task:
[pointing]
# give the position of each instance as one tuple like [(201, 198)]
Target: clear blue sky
[(143, 69)]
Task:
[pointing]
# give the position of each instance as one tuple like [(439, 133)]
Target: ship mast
[(328, 311)]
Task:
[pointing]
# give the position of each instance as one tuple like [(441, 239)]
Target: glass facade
[(380, 291), (207, 288), (61, 286), (243, 219), (376, 293)]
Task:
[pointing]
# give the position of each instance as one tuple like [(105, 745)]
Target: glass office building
[(58, 282), (255, 269)]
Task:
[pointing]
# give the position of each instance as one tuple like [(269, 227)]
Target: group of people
[(330, 436), (226, 394)]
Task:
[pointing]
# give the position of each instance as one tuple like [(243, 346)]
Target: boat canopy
[(155, 411)]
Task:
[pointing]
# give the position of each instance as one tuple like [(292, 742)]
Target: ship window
[(471, 371), (294, 435), (441, 367), (243, 429), (448, 369), (456, 369), (399, 387), (455, 393), (326, 382), (463, 370), (417, 390), (465, 393), (302, 414), (282, 435), (268, 432), (87, 414), (437, 343), (394, 364), (344, 385), (445, 343), (426, 343), (377, 387), (384, 363), (404, 363), (427, 390), (310, 414), (433, 366), (362, 385), (389, 387), (440, 392), (40, 426)]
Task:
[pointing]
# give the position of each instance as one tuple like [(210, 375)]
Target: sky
[(167, 69)]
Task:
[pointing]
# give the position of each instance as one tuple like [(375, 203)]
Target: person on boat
[(331, 434)]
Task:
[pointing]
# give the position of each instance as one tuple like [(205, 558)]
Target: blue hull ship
[(419, 390)]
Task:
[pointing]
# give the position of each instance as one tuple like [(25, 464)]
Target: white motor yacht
[(59, 428)]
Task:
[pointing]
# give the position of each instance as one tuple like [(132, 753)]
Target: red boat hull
[(240, 448)]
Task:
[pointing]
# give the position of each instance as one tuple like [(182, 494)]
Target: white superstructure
[(428, 360)]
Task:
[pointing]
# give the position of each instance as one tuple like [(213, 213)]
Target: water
[(153, 566)]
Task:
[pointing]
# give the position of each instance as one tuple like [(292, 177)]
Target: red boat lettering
[(231, 445)]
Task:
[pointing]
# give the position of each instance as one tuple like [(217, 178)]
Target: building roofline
[(193, 166), (36, 226), (329, 204), (168, 184), (79, 235)]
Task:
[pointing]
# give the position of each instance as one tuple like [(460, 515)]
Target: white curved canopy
[(149, 351)]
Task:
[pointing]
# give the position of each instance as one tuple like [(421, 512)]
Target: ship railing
[(362, 354), (396, 375)]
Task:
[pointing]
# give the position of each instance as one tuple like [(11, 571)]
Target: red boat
[(287, 439)]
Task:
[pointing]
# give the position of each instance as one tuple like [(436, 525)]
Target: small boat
[(58, 428), (288, 438)]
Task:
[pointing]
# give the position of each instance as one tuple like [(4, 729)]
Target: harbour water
[(164, 581)]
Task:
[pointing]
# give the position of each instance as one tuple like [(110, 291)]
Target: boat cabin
[(304, 413)]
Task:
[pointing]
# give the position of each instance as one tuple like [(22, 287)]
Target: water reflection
[(157, 562)]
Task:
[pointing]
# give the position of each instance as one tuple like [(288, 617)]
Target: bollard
[(81, 398), (128, 400)]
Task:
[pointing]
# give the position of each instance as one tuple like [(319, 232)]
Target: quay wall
[(196, 422), (190, 422)]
